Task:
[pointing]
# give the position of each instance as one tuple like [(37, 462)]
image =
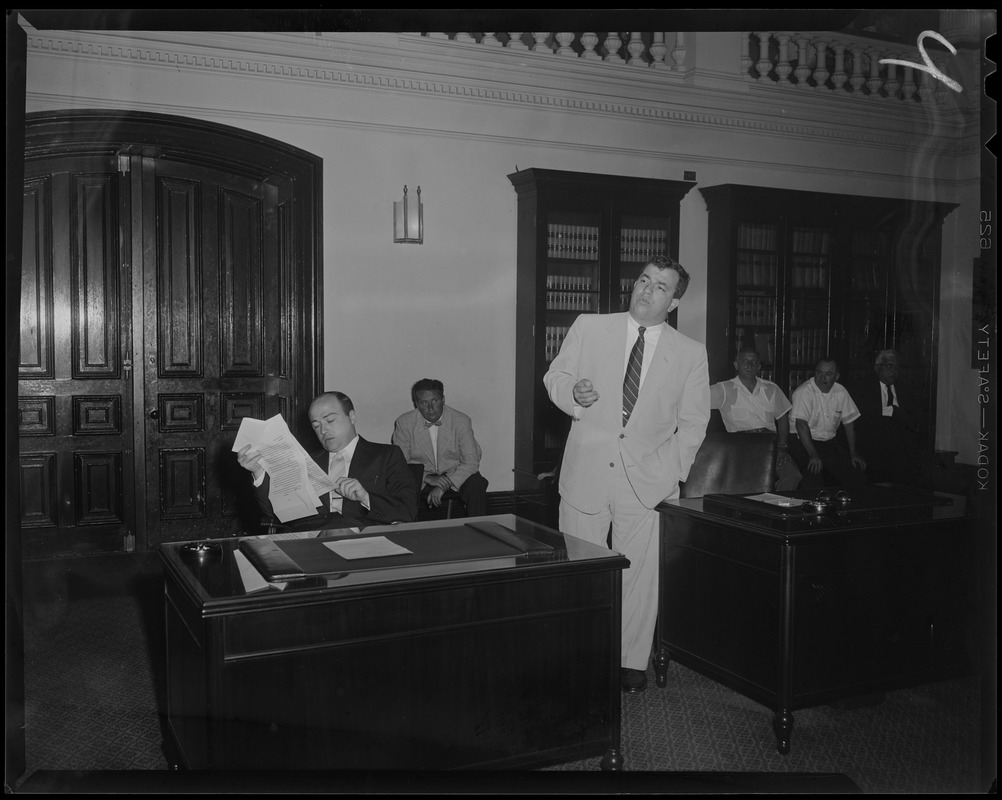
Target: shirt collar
[(742, 388), (348, 450), (634, 327)]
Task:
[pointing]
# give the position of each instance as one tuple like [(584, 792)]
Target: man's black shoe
[(632, 680)]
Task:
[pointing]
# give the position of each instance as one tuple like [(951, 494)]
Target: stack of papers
[(296, 481), (252, 580), (776, 499)]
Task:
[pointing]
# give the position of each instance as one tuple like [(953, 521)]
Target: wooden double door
[(170, 287)]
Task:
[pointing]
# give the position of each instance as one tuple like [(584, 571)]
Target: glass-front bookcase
[(800, 275)]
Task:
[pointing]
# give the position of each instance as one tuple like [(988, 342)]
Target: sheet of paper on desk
[(775, 499), (296, 481), (366, 547)]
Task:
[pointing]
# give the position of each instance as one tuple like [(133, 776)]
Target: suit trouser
[(788, 475), (837, 468), (635, 534), (472, 493)]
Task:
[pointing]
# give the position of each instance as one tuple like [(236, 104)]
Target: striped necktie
[(335, 472), (631, 383)]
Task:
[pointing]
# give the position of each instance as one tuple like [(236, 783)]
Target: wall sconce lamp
[(408, 220)]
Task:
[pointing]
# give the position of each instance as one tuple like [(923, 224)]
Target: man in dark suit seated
[(441, 439), (888, 434), (373, 484)]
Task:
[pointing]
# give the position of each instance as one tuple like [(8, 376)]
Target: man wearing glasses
[(887, 433)]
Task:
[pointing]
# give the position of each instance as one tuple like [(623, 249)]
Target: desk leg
[(661, 658), (661, 662), (613, 757), (782, 724), (612, 760)]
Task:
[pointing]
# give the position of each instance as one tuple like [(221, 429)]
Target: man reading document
[(372, 484)]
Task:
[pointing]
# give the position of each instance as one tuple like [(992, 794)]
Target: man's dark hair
[(426, 385), (825, 360), (667, 262), (346, 405)]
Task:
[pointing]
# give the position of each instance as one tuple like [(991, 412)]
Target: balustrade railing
[(659, 51), (857, 67), (816, 61)]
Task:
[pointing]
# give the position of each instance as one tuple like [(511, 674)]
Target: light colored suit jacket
[(458, 451), (659, 443)]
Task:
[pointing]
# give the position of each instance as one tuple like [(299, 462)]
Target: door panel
[(74, 393), (170, 288), (215, 242)]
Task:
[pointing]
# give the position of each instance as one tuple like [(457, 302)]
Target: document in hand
[(296, 480)]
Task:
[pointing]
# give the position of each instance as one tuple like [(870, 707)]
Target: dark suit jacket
[(889, 445), (384, 473), (866, 395)]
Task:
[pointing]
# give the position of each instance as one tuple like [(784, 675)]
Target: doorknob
[(154, 414)]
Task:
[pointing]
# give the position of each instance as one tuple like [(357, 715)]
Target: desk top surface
[(216, 573), (807, 513)]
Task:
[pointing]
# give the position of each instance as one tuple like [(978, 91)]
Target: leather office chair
[(732, 463)]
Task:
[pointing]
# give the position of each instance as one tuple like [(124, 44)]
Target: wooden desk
[(794, 613), (501, 663)]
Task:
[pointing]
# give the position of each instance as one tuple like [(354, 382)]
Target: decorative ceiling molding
[(749, 108)]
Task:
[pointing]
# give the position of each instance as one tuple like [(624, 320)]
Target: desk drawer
[(339, 621)]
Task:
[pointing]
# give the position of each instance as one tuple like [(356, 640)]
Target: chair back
[(417, 470), (732, 463)]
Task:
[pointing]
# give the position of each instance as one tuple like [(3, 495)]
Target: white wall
[(445, 309)]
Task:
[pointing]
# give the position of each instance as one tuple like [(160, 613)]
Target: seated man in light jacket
[(441, 439)]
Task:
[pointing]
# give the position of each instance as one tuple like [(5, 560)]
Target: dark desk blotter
[(470, 542), (270, 560)]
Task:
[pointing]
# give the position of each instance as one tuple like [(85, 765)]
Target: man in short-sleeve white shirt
[(750, 404), (820, 405)]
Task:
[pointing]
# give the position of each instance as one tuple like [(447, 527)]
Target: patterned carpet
[(92, 700)]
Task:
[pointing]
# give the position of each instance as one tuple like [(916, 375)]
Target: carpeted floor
[(93, 694)]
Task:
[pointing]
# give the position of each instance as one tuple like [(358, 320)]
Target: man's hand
[(351, 489), (815, 465), (250, 460), (434, 497), (858, 462), (584, 393), (438, 481)]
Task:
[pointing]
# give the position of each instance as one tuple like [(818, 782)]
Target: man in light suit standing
[(441, 439), (639, 396)]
